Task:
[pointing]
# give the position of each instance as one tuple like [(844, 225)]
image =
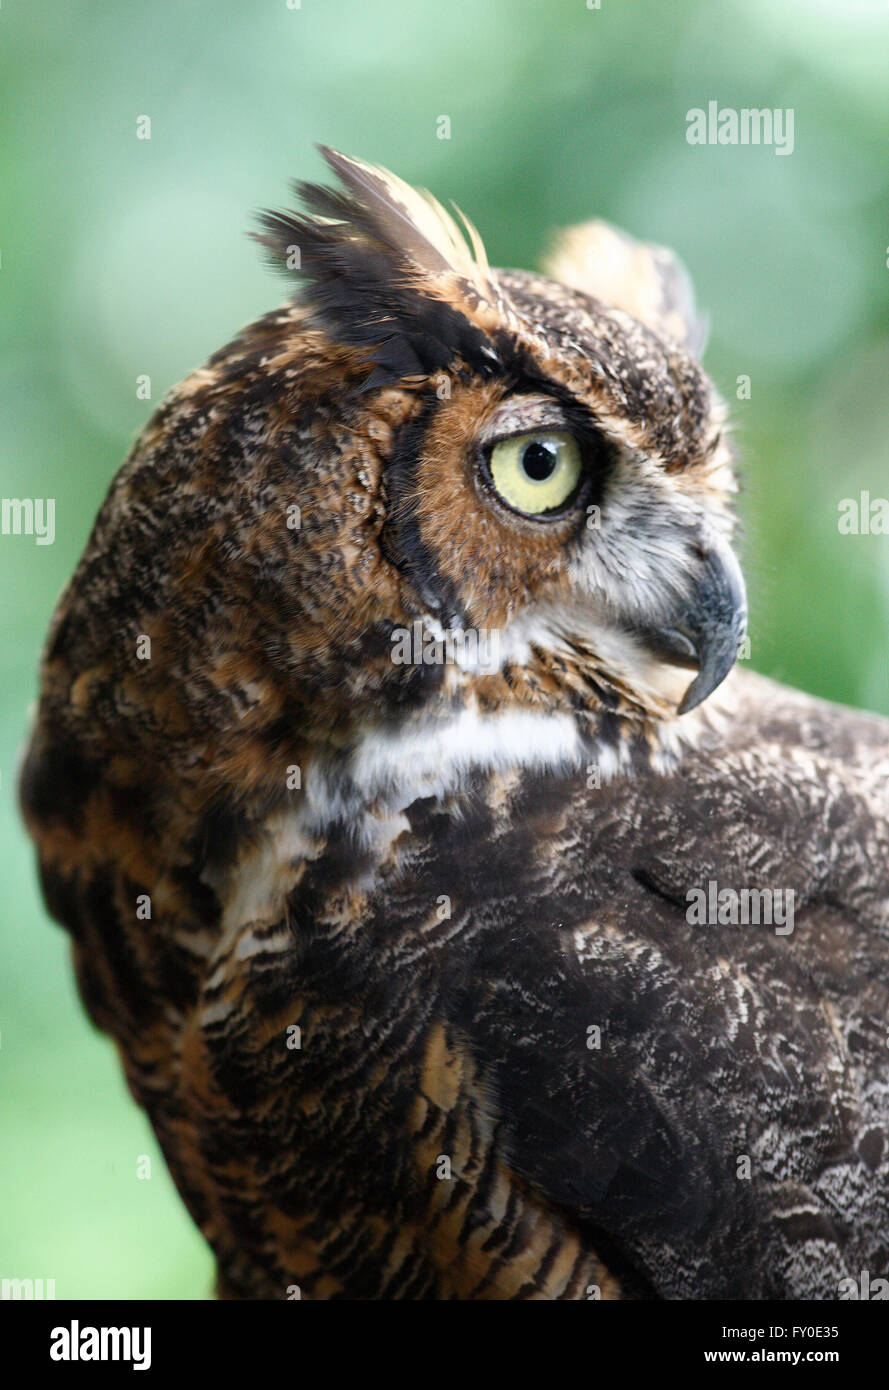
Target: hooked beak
[(707, 629)]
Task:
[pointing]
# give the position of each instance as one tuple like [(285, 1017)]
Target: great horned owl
[(384, 743)]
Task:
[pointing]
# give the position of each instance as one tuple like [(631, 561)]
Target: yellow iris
[(536, 473)]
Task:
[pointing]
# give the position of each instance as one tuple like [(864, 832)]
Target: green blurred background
[(123, 257)]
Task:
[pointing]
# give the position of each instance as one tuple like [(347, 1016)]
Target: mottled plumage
[(415, 1006)]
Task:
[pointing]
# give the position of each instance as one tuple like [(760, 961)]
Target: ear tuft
[(644, 280), (386, 268)]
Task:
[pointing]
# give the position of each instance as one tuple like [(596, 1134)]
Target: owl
[(468, 924)]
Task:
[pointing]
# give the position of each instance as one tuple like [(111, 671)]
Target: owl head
[(544, 460), (426, 510)]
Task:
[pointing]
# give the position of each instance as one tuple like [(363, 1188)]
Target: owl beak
[(707, 631)]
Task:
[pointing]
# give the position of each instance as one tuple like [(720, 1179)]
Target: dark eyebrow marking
[(403, 544)]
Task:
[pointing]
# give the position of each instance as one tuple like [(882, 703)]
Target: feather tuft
[(384, 267)]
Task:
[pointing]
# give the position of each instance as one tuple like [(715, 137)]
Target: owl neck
[(352, 806), (386, 769)]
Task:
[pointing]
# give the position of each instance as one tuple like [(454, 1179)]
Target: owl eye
[(536, 473)]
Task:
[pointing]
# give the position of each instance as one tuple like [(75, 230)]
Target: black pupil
[(539, 461)]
